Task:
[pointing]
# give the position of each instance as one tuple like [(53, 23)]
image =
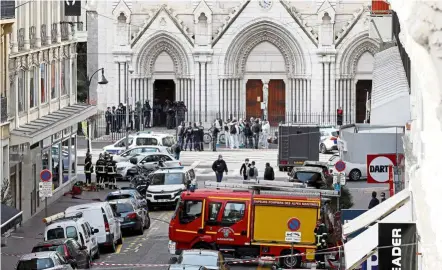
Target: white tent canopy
[(397, 209)]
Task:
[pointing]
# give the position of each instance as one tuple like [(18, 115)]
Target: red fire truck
[(249, 219)]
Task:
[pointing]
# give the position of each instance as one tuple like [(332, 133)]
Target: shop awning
[(52, 123), (395, 209), (390, 95), (10, 217)]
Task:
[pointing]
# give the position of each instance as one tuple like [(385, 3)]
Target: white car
[(140, 139), (126, 155), (328, 140), (148, 161), (49, 260), (353, 172)]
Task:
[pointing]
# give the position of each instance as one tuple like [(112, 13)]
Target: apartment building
[(43, 111)]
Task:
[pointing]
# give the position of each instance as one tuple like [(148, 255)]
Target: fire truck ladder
[(273, 188)]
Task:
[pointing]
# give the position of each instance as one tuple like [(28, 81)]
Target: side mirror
[(173, 260), (96, 230)]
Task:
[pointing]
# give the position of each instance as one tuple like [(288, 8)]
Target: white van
[(141, 139), (63, 225), (101, 216)]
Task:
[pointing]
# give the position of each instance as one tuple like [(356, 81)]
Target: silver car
[(45, 260), (148, 161), (198, 259), (126, 155)]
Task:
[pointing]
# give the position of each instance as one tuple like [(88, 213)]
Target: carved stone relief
[(356, 54)]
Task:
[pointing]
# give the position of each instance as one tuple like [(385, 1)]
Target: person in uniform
[(188, 134), (196, 137), (108, 117), (147, 111), (88, 168), (321, 244), (101, 170), (215, 132), (201, 136), (111, 170)]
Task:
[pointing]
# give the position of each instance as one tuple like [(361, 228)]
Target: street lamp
[(88, 84)]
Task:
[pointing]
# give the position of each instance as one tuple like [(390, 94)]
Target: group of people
[(191, 136), (248, 170), (168, 114), (106, 170)]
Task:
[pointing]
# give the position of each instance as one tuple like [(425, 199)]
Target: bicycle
[(208, 137)]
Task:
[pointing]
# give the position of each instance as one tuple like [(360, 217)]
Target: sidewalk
[(24, 238)]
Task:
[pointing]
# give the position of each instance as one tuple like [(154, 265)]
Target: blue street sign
[(371, 263), (350, 214)]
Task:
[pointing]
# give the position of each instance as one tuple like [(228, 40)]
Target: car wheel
[(290, 262), (147, 222), (97, 254), (355, 175), (323, 149)]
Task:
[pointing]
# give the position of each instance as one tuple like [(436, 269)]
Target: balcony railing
[(21, 38), (44, 34), (54, 33), (32, 37), (64, 31), (7, 10), (404, 56), (4, 109)]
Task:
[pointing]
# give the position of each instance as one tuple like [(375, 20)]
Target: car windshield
[(315, 165), (49, 247), (168, 141), (122, 208), (203, 260), (146, 141), (167, 179), (306, 176), (118, 197), (335, 133), (56, 233), (35, 264)]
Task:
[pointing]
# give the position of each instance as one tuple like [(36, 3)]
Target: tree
[(345, 201), (6, 197)]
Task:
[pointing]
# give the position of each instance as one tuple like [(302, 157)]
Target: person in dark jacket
[(215, 132), (188, 133), (201, 135), (101, 170), (147, 110), (269, 174), (256, 129), (196, 137), (157, 109), (181, 111), (374, 201), (219, 167), (108, 117), (244, 168), (88, 168), (176, 150), (383, 196)]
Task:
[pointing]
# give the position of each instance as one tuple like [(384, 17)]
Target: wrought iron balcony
[(32, 37), (21, 38), (7, 10), (44, 35), (54, 33), (4, 109), (65, 31)]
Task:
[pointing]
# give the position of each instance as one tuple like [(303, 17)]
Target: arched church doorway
[(276, 106), (363, 93), (253, 98), (163, 90)]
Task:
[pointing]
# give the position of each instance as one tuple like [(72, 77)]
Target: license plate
[(162, 200), (335, 142), (172, 247)]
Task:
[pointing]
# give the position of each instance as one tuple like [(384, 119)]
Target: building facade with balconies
[(43, 110)]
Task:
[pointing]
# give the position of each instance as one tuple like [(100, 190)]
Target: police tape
[(129, 264)]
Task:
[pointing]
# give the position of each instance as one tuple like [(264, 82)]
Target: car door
[(233, 223), (212, 222), (150, 161), (94, 242), (168, 161), (114, 223), (140, 212), (87, 237)]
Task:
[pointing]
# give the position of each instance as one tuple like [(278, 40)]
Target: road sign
[(339, 178), (378, 166), (45, 189), (340, 166), (46, 176), (294, 224), (294, 237)]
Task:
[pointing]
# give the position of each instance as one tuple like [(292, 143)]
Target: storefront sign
[(397, 246), (305, 204), (377, 167)]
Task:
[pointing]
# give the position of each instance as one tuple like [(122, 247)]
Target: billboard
[(72, 8)]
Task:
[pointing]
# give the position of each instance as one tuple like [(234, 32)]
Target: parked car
[(328, 140), (126, 194), (322, 165), (69, 248), (353, 171), (148, 161), (141, 139), (126, 155), (68, 225), (311, 176), (49, 260), (197, 259), (101, 216), (131, 216)]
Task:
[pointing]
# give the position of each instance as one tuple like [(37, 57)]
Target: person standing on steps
[(215, 132), (252, 172), (269, 174), (196, 137), (219, 167), (256, 128), (244, 167), (188, 134), (180, 133), (201, 135)]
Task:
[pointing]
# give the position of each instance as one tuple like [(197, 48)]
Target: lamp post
[(131, 70), (88, 84)]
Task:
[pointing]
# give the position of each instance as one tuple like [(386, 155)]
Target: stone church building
[(295, 61)]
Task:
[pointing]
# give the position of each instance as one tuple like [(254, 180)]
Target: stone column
[(58, 8), (49, 6), (38, 24), (27, 18), (265, 97), (14, 38)]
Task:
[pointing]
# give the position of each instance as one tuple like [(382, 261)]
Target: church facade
[(293, 61)]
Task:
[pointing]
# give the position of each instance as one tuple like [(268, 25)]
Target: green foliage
[(82, 72), (345, 201)]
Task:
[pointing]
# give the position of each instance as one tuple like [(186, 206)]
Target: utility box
[(296, 144)]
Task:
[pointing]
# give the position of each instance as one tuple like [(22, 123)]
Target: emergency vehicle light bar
[(289, 188)]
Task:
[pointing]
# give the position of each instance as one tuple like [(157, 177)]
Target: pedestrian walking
[(374, 201), (252, 172), (219, 167), (88, 168), (215, 132), (269, 173), (244, 167), (265, 134), (188, 134), (201, 135)]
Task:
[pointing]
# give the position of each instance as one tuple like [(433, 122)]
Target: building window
[(63, 77), (74, 78), (21, 91), (54, 93), (66, 76), (43, 83), (32, 88)]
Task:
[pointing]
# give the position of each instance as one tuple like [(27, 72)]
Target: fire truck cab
[(251, 219)]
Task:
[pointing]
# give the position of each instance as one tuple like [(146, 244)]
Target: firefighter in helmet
[(111, 169), (101, 170), (321, 244)]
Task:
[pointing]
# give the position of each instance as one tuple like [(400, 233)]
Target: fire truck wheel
[(290, 262), (202, 246)]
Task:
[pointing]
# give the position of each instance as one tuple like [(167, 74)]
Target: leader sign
[(378, 167)]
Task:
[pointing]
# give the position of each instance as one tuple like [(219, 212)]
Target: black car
[(69, 248)]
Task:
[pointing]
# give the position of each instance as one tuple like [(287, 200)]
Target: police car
[(140, 139), (166, 185)]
